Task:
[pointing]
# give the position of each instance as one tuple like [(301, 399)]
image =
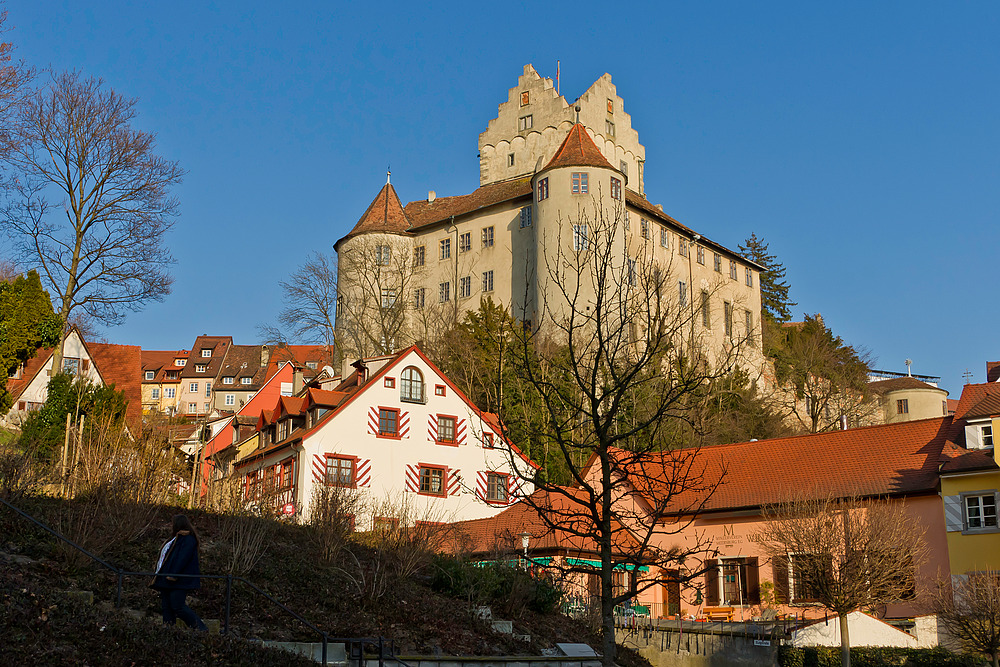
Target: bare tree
[(614, 365), (374, 296), (15, 80), (844, 554), (969, 609), (93, 201), (310, 303)]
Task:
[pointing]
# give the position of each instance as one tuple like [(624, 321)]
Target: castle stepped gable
[(578, 150), (385, 214)]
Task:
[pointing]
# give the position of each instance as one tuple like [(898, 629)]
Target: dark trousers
[(175, 606)]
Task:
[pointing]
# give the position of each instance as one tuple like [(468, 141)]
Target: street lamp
[(525, 538)]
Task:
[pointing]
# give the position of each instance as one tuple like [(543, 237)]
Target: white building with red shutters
[(398, 432)]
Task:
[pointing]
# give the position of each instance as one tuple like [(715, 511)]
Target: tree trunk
[(845, 642), (996, 658), (607, 614)]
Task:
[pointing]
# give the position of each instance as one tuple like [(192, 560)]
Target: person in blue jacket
[(179, 555)]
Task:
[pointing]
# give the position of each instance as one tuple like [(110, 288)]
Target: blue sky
[(859, 139)]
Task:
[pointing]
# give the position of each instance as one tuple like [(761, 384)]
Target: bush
[(499, 585), (875, 656)]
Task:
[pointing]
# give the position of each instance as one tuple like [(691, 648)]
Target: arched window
[(411, 385)]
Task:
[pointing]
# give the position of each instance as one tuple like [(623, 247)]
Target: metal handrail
[(120, 574)]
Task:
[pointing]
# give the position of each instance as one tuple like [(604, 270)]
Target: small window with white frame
[(718, 263), (200, 368), (525, 217), (488, 237), (986, 433), (419, 254), (155, 393), (524, 123), (580, 239), (419, 298), (445, 249), (580, 182), (150, 375), (246, 380), (227, 379), (383, 255), (230, 399), (732, 269), (644, 228), (206, 353), (980, 509), (488, 281), (444, 292), (465, 287), (749, 277), (465, 242), (700, 254), (664, 238)]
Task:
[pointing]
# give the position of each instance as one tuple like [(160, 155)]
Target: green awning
[(596, 564)]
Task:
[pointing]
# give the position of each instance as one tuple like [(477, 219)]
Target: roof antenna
[(388, 173), (908, 363)]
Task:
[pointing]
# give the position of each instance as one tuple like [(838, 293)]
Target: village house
[(161, 380), (397, 433)]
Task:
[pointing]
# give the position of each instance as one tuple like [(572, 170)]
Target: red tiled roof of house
[(992, 371), (289, 405), (896, 384), (889, 459), (160, 361), (989, 406), (15, 387), (219, 346), (957, 459), (578, 150), (385, 214), (972, 395), (121, 365), (952, 405), (300, 355), (503, 532), (330, 399), (423, 213)]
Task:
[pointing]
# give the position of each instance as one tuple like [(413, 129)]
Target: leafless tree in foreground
[(93, 203), (969, 609), (615, 365), (15, 80), (309, 313), (844, 554)]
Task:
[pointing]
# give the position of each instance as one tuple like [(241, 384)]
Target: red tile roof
[(160, 361), (219, 346), (121, 365), (385, 214), (503, 531), (992, 371), (958, 459), (972, 395), (578, 150), (423, 213), (888, 459), (988, 407)]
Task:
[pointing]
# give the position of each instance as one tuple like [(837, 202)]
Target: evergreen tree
[(27, 322), (773, 288)]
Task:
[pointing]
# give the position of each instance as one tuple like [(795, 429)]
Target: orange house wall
[(732, 536)]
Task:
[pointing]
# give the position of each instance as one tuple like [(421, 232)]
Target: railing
[(354, 646)]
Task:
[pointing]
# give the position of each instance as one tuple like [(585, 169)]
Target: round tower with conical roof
[(581, 220), (374, 268)]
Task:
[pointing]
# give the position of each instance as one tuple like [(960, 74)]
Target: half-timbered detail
[(355, 435)]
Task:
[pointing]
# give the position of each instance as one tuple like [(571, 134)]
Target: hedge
[(875, 656)]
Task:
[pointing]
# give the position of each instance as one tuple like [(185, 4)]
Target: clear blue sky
[(861, 140)]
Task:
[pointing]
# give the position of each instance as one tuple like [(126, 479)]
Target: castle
[(556, 179)]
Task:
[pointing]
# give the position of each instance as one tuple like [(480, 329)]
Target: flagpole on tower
[(557, 78)]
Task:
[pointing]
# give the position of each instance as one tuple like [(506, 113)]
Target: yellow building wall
[(970, 552)]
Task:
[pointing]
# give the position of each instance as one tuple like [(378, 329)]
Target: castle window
[(580, 186), (465, 287), (388, 298), (418, 256), (664, 238), (902, 406), (624, 167), (488, 237), (465, 242), (616, 188), (487, 281), (524, 123), (706, 310), (525, 217), (580, 239), (445, 248), (749, 318), (682, 247), (510, 159), (611, 105), (543, 189), (644, 228), (749, 277), (718, 263), (444, 292), (682, 295), (732, 269), (727, 311), (701, 255), (610, 128), (525, 98), (383, 254), (419, 295)]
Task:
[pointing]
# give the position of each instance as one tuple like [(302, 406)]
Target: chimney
[(265, 355), (431, 196), (659, 207), (297, 380), (843, 422), (362, 370)]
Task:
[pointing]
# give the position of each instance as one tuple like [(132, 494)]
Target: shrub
[(504, 587), (874, 656)]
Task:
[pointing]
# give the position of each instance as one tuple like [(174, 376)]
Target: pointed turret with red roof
[(578, 150), (384, 215)]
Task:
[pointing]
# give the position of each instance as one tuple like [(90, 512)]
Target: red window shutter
[(779, 570), (712, 582)]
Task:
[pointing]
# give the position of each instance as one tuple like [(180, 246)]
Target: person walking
[(179, 556)]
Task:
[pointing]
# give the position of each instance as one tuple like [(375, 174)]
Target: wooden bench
[(719, 613)]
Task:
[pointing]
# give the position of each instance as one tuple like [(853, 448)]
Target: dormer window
[(200, 368), (150, 375), (206, 353), (227, 380), (180, 362), (245, 380), (312, 365), (171, 375)]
